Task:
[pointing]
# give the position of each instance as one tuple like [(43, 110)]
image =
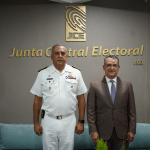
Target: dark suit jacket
[(103, 115)]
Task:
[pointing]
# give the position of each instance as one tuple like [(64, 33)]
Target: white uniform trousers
[(58, 134)]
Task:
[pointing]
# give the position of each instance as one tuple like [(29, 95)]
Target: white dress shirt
[(109, 83)]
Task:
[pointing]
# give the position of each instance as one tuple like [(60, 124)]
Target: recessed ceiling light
[(70, 1)]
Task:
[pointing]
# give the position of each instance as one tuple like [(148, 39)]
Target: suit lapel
[(105, 87), (118, 93)]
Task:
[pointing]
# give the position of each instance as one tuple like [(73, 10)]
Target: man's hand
[(130, 137), (79, 129), (38, 129), (95, 137)]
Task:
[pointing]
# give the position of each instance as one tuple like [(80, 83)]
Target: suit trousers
[(58, 134), (114, 143)]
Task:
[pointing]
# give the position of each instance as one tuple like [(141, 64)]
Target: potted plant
[(123, 147), (102, 145)]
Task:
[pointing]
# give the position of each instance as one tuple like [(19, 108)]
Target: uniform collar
[(108, 80), (66, 69)]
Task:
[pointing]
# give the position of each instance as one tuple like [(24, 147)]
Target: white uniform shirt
[(109, 83), (59, 90)]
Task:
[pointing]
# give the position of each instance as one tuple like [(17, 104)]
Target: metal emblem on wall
[(76, 23)]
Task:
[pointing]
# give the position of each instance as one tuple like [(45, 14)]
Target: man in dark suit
[(111, 109)]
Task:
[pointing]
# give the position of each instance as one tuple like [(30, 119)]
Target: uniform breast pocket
[(50, 87), (71, 85)]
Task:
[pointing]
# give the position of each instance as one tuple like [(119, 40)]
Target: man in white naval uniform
[(61, 87)]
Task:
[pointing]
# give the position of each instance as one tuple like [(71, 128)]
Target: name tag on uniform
[(49, 78)]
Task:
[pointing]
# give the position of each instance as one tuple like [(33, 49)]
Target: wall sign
[(95, 51), (76, 23)]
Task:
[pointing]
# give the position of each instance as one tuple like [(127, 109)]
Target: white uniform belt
[(60, 116)]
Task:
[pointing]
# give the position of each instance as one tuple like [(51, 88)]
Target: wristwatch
[(82, 121)]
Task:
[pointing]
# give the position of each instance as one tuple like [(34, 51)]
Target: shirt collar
[(108, 80), (67, 68), (53, 69)]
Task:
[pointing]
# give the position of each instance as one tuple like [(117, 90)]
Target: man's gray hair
[(57, 45), (111, 56)]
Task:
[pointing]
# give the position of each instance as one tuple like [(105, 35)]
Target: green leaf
[(101, 145), (123, 147)]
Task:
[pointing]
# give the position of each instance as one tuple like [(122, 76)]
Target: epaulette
[(42, 69), (75, 67)]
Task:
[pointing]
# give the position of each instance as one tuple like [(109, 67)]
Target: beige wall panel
[(147, 71)]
